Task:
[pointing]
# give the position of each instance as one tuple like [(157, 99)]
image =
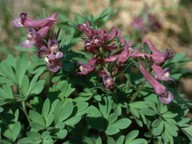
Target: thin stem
[(137, 92), (25, 111), (118, 74)]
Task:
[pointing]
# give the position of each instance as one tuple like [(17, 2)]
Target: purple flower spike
[(161, 74), (87, 68), (25, 21), (165, 96), (157, 56)]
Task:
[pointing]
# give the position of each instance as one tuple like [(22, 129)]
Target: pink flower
[(53, 65), (161, 74), (157, 56), (87, 68), (25, 21), (124, 55), (107, 79), (165, 96), (34, 37)]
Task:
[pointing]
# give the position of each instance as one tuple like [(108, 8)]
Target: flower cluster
[(110, 52), (48, 47), (145, 23)]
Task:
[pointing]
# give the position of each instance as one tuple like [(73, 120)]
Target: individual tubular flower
[(43, 51), (31, 38), (34, 37), (161, 74), (25, 21), (107, 79), (87, 68), (51, 54), (157, 56), (124, 55), (165, 96), (85, 28), (53, 65), (54, 47), (113, 33)]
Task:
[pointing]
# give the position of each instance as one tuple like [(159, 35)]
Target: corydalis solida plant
[(110, 52), (112, 49), (48, 47)]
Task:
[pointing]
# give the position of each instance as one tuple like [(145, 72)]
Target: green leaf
[(158, 129), (36, 118), (49, 119), (156, 122), (62, 134), (46, 108), (21, 68), (37, 126), (93, 112), (34, 136), (119, 124), (138, 141), (25, 85), (72, 121), (178, 57), (122, 123), (38, 87), (4, 80), (6, 92), (120, 140), (112, 118), (131, 136), (66, 111), (171, 129), (110, 140), (66, 89), (134, 112), (25, 140), (81, 106), (188, 132), (138, 104), (184, 122), (147, 111), (169, 115), (112, 129), (35, 87), (105, 106), (16, 130), (6, 70)]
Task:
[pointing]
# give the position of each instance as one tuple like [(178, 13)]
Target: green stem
[(123, 70), (137, 92), (25, 111)]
